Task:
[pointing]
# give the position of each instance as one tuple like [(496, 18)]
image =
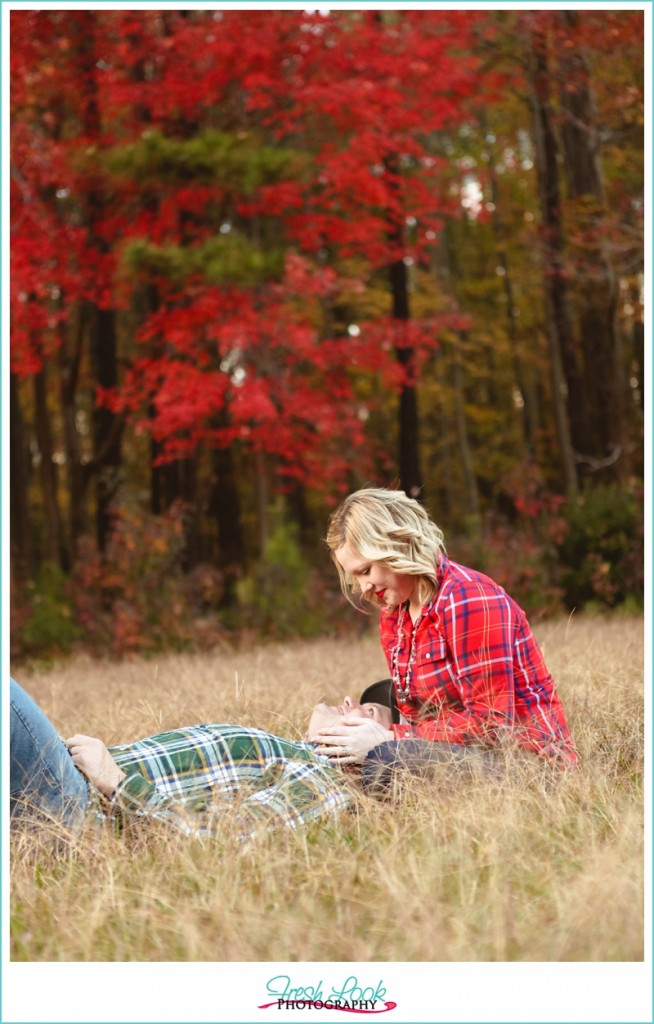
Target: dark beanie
[(382, 692)]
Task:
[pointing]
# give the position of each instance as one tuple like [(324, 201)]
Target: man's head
[(326, 715), (382, 692)]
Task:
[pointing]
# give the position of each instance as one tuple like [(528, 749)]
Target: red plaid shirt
[(478, 675)]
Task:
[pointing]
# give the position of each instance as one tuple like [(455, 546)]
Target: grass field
[(525, 869)]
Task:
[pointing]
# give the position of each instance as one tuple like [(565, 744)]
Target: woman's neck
[(415, 604), (415, 610)]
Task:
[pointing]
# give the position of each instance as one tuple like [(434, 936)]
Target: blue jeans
[(44, 782)]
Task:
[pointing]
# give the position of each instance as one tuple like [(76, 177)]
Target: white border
[(461, 992)]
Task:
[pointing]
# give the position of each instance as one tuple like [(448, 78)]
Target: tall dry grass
[(523, 868)]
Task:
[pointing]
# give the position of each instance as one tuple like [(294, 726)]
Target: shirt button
[(429, 655)]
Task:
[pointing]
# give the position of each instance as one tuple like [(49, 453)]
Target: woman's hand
[(94, 760), (350, 741)]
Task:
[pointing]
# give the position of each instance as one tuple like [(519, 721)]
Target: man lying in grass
[(183, 777), (187, 777)]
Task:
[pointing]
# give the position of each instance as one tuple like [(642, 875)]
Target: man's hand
[(94, 760), (350, 741)]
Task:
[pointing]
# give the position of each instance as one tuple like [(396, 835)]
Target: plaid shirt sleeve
[(190, 779)]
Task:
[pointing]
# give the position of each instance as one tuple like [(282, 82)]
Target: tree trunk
[(443, 431), (411, 479), (107, 428), (225, 508), (77, 472), (192, 553), (53, 545), (22, 554), (566, 376), (297, 505), (408, 455), (261, 500), (596, 282), (521, 373), (638, 361), (473, 511)]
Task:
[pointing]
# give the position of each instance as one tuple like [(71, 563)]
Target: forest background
[(262, 258)]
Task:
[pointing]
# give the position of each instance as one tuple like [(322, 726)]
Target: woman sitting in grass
[(467, 674)]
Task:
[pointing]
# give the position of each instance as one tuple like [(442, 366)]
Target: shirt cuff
[(402, 732), (132, 793)]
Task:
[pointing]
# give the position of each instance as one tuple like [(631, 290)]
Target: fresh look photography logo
[(350, 997)]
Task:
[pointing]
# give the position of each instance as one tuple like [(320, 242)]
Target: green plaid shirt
[(188, 778)]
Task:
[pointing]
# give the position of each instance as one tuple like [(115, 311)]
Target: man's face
[(324, 716), (375, 579)]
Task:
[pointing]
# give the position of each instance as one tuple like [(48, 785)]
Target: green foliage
[(48, 625), (520, 562), (222, 259), (518, 547), (586, 553), (602, 549), (277, 598), (241, 161)]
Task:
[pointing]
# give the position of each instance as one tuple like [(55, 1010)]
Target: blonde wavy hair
[(386, 526)]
